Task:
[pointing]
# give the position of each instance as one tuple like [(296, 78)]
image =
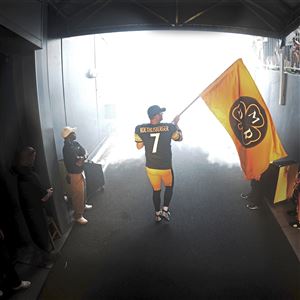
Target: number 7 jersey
[(157, 141)]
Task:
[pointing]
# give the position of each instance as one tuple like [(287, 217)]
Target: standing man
[(33, 195), (9, 278), (156, 137), (74, 156), (7, 270)]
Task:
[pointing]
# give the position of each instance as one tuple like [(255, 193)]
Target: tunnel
[(98, 66)]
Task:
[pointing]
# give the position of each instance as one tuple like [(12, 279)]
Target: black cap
[(154, 110)]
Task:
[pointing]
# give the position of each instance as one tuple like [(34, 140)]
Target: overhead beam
[(294, 22), (151, 12), (197, 15), (262, 18), (285, 4), (85, 8), (57, 9), (263, 9), (87, 16)]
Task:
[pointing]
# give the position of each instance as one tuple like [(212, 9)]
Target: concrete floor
[(38, 276)]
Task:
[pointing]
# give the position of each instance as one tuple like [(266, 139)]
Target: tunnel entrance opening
[(113, 78)]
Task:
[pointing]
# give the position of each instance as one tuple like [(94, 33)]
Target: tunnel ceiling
[(271, 18)]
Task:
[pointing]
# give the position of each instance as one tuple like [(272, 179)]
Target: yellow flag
[(287, 177), (236, 102)]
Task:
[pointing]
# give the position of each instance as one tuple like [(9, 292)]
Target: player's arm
[(138, 141), (139, 145), (177, 135)]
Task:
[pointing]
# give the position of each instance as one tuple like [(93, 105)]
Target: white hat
[(67, 131)]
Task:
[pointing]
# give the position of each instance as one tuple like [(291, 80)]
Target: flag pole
[(190, 105)]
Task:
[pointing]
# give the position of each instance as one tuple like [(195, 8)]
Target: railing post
[(282, 78)]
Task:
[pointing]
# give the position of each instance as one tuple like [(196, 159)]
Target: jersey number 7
[(156, 136)]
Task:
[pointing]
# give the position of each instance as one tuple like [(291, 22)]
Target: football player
[(156, 137)]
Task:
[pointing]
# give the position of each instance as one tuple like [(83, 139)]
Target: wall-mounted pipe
[(282, 78)]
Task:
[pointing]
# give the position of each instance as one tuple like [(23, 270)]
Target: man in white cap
[(74, 156)]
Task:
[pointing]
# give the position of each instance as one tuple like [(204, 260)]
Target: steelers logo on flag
[(248, 121)]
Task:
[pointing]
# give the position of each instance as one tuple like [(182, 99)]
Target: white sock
[(165, 208)]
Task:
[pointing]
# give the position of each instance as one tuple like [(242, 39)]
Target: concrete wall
[(73, 93), (48, 142), (27, 116), (80, 90), (13, 135), (56, 91), (24, 18)]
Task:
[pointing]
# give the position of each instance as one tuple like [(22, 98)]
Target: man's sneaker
[(23, 285), (81, 221), (252, 206), (295, 224), (166, 214), (157, 217), (244, 195), (88, 206)]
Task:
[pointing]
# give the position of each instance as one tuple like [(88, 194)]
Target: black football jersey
[(157, 141)]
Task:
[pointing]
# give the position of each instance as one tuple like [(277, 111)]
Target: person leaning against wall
[(74, 156), (12, 281), (9, 278), (32, 196)]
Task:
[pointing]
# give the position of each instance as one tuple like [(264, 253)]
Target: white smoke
[(169, 69)]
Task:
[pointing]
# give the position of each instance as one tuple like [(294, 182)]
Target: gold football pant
[(157, 176), (77, 186)]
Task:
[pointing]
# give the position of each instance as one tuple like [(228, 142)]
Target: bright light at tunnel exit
[(139, 69)]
